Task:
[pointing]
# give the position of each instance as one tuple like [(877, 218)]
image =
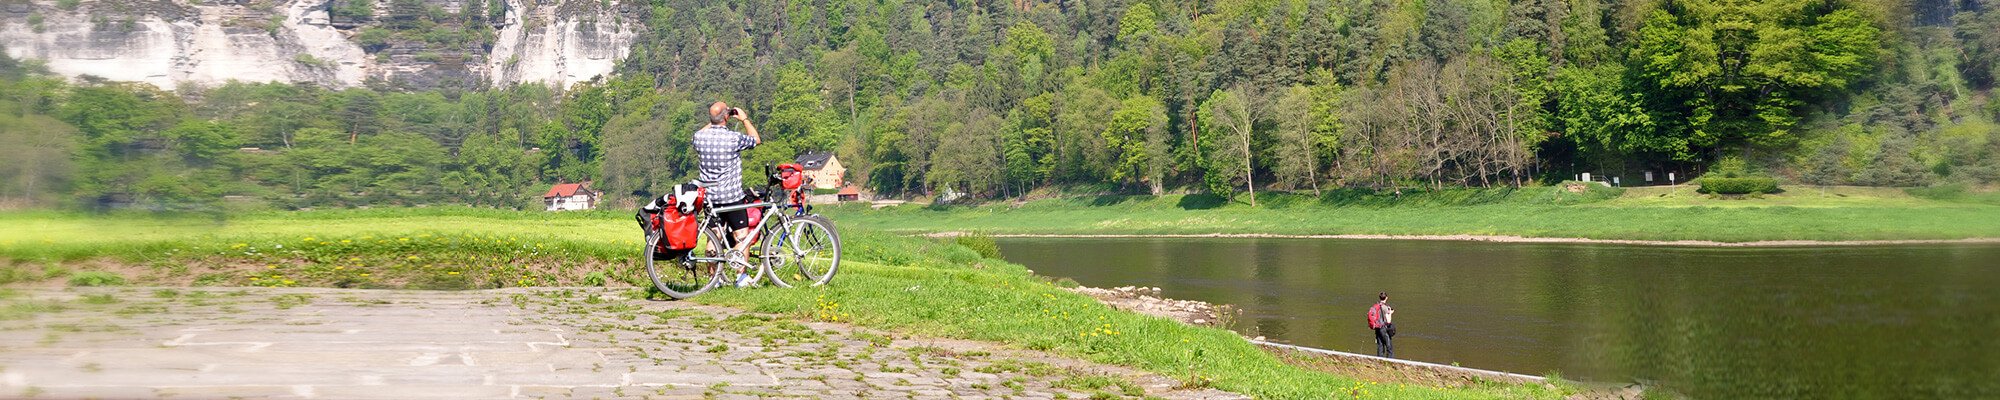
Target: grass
[(96, 278), (1653, 213), (910, 285)]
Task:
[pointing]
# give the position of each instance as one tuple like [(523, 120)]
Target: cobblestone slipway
[(511, 343)]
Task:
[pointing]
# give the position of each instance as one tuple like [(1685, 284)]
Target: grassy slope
[(913, 285), (1841, 213)]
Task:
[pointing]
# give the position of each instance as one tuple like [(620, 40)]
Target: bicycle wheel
[(681, 278), (810, 250)]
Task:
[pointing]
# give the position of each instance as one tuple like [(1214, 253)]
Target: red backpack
[(1375, 316)]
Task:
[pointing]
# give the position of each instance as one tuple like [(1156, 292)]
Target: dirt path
[(512, 343)]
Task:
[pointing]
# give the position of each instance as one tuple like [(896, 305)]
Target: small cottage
[(848, 193), (571, 196), (824, 169)]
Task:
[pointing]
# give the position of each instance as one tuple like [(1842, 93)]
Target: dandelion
[(345, 241), (271, 267), (454, 272), (364, 274)]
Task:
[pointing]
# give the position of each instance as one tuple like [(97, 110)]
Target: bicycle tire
[(683, 280), (810, 250)]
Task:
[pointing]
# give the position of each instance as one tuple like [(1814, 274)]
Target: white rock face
[(72, 46), (558, 50), (213, 43)]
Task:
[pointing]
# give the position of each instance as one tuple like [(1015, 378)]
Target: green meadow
[(910, 285)]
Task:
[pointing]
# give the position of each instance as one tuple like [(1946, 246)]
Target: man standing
[(721, 152), (1379, 319)]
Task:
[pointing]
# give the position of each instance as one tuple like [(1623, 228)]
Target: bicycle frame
[(774, 214)]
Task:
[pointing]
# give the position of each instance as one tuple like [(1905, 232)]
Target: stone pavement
[(510, 343)]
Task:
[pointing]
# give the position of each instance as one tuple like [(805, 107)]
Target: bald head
[(718, 113)]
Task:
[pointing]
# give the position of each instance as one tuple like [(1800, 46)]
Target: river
[(1917, 321)]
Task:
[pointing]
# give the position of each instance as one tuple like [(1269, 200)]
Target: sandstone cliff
[(208, 42)]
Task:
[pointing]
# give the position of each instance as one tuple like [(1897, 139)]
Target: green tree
[(38, 150), (1307, 132), (967, 155), (1738, 70), (1137, 134), (1228, 121)]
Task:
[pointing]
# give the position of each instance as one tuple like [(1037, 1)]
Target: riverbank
[(1148, 301), (910, 286), (1648, 216), (1510, 239)]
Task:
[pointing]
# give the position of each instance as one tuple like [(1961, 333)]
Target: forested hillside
[(1000, 98)]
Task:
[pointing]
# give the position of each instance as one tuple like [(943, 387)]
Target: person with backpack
[(1381, 319)]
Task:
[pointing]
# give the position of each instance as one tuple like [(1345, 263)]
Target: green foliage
[(1738, 70), (979, 243), (917, 97), (95, 278), (1730, 167), (1738, 185)]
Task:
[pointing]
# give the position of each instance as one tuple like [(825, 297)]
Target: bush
[(96, 278), (980, 243), (1744, 185)]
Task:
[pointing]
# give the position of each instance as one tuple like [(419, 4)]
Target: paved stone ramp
[(513, 343)]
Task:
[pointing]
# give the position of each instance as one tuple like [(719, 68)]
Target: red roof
[(850, 190), (567, 189)]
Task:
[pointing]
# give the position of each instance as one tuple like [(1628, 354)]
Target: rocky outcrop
[(560, 45), (209, 42), (1147, 300)]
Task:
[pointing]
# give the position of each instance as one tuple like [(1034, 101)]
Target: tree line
[(1004, 98)]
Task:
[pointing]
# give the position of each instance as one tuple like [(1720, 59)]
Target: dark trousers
[(1383, 348)]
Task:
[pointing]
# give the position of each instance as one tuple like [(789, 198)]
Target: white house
[(824, 168), (571, 196)]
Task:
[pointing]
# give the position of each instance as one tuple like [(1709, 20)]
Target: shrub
[(1744, 185), (980, 243), (1730, 167), (96, 278), (1592, 192)]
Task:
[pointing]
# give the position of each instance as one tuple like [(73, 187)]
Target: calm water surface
[(1837, 322)]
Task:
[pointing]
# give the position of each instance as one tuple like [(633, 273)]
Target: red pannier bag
[(678, 220), (674, 215), (792, 176)]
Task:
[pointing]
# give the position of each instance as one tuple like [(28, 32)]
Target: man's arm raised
[(748, 128)]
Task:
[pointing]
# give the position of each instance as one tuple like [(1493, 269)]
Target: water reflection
[(1908, 321)]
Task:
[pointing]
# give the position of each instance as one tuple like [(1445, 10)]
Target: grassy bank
[(917, 286), (1658, 213)]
